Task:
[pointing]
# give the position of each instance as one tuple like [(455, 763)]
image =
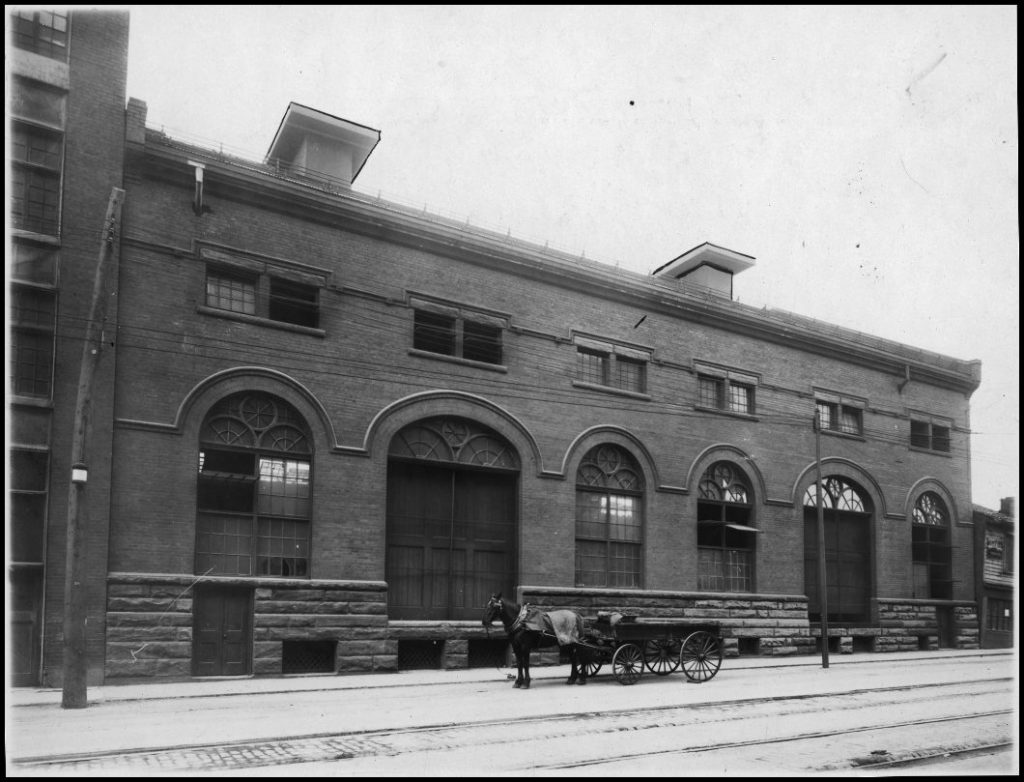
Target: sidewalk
[(24, 697)]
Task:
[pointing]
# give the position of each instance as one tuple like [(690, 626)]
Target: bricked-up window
[(930, 435), (837, 417), (609, 519), (42, 32), (448, 331), (932, 553), (33, 312), (254, 489), (725, 536)]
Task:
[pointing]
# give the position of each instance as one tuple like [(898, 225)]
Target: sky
[(866, 156)]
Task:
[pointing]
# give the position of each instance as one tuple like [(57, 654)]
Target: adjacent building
[(332, 426), (995, 538), (66, 74)]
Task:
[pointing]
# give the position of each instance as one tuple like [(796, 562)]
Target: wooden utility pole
[(822, 586), (75, 658)]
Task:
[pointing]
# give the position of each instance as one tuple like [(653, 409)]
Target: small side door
[(222, 632)]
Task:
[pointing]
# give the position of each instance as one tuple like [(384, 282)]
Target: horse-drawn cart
[(630, 644)]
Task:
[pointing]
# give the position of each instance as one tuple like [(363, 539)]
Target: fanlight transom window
[(455, 441), (836, 494)]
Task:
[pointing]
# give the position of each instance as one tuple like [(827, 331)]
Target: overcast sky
[(866, 156)]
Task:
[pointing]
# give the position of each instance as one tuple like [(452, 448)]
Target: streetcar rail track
[(337, 745)]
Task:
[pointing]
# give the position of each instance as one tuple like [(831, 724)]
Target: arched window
[(725, 536), (933, 562), (846, 513), (253, 497), (452, 509), (609, 519)]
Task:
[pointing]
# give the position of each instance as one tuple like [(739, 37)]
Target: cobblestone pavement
[(651, 738)]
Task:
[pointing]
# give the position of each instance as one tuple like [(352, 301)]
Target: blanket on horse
[(566, 626)]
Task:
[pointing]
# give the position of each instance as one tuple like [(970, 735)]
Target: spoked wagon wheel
[(661, 655), (627, 663), (701, 656), (592, 667)]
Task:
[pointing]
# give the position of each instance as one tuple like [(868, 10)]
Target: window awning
[(729, 524)]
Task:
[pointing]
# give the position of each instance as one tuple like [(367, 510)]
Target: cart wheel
[(661, 655), (701, 656), (592, 668), (627, 663)]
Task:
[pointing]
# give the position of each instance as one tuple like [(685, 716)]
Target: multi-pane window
[(611, 367), (262, 295), (37, 152), (230, 291), (254, 489), (932, 553), (458, 334), (434, 333), (719, 393), (930, 435), (609, 519), (32, 329), (42, 32), (27, 484), (592, 366), (725, 390), (725, 536), (999, 615), (36, 155), (838, 417)]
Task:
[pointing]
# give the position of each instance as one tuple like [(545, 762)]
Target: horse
[(525, 636)]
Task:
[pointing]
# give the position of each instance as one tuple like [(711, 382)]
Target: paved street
[(757, 716)]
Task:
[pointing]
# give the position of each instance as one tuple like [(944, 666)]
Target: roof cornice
[(256, 183)]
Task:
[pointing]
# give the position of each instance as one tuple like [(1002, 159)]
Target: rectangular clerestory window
[(457, 331), (930, 435), (725, 390), (606, 365), (839, 414), (247, 287)]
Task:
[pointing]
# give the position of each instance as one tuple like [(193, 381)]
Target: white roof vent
[(707, 267), (310, 143)]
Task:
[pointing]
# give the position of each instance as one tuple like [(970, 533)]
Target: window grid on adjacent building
[(42, 32)]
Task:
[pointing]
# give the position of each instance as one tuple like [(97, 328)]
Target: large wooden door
[(451, 539), (222, 644), (847, 563)]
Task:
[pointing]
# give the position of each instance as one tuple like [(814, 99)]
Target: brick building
[(338, 424), (66, 81)]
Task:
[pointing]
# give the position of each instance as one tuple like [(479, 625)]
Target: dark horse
[(525, 638)]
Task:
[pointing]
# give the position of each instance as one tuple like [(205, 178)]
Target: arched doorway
[(848, 564), (452, 512)]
